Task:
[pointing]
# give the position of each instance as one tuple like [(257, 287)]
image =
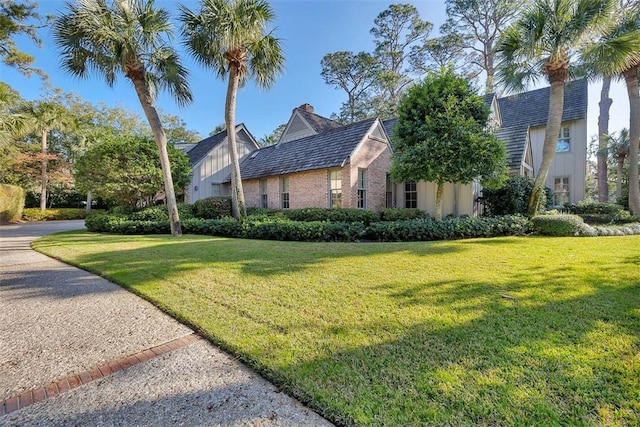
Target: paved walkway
[(76, 349)]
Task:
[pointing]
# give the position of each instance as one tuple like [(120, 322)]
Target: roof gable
[(321, 151), (204, 147), (531, 108), (304, 122)]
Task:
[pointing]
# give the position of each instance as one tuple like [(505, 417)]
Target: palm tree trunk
[(489, 68), (161, 141), (619, 172), (44, 178), (631, 79), (238, 208), (603, 139), (439, 191), (554, 119)]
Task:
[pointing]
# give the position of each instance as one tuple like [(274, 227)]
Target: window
[(362, 189), (284, 192), (335, 189), (216, 189), (389, 193), (410, 195), (561, 191), (564, 140), (264, 201)]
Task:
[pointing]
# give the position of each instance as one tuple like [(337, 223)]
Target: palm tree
[(230, 36), (133, 38), (618, 54), (543, 42), (42, 117), (618, 149)]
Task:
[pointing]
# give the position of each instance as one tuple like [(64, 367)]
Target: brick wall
[(375, 157), (311, 188)]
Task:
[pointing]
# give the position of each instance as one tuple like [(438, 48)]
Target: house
[(318, 162), (210, 163), (567, 175), (519, 121)]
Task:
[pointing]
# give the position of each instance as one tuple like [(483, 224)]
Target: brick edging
[(55, 388)]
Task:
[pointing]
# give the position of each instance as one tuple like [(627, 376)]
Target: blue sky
[(309, 29)]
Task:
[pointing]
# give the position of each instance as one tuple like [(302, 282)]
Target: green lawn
[(504, 331)]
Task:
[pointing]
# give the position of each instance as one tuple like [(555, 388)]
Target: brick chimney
[(307, 107)]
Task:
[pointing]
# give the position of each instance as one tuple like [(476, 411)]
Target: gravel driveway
[(76, 349)]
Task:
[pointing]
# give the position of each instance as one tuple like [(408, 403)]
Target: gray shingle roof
[(185, 147), (324, 150), (203, 147), (488, 98), (318, 123), (515, 141), (388, 126), (531, 108)]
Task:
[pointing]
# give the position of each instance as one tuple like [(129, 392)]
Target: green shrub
[(558, 225), (118, 224), (307, 231), (212, 207), (102, 223), (223, 227), (263, 212), (34, 214), (601, 213), (153, 213), (449, 228), (11, 203), (185, 210), (332, 215), (512, 198), (589, 207), (402, 214)]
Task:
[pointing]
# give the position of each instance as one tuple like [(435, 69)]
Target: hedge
[(11, 203), (601, 213), (449, 228), (402, 214), (35, 214), (278, 228), (331, 214)]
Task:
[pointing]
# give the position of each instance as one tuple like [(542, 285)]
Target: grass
[(504, 331)]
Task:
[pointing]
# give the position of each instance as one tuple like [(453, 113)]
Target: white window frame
[(284, 192), (389, 199), (362, 188), (264, 195), (561, 196), (335, 188), (564, 140)]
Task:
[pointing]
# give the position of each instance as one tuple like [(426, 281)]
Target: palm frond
[(239, 27), (110, 40)]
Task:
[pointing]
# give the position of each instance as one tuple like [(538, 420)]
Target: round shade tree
[(441, 135), (127, 170)]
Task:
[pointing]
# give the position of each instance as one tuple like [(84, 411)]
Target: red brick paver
[(76, 380)]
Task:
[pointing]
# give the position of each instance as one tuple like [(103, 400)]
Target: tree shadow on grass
[(516, 362)]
